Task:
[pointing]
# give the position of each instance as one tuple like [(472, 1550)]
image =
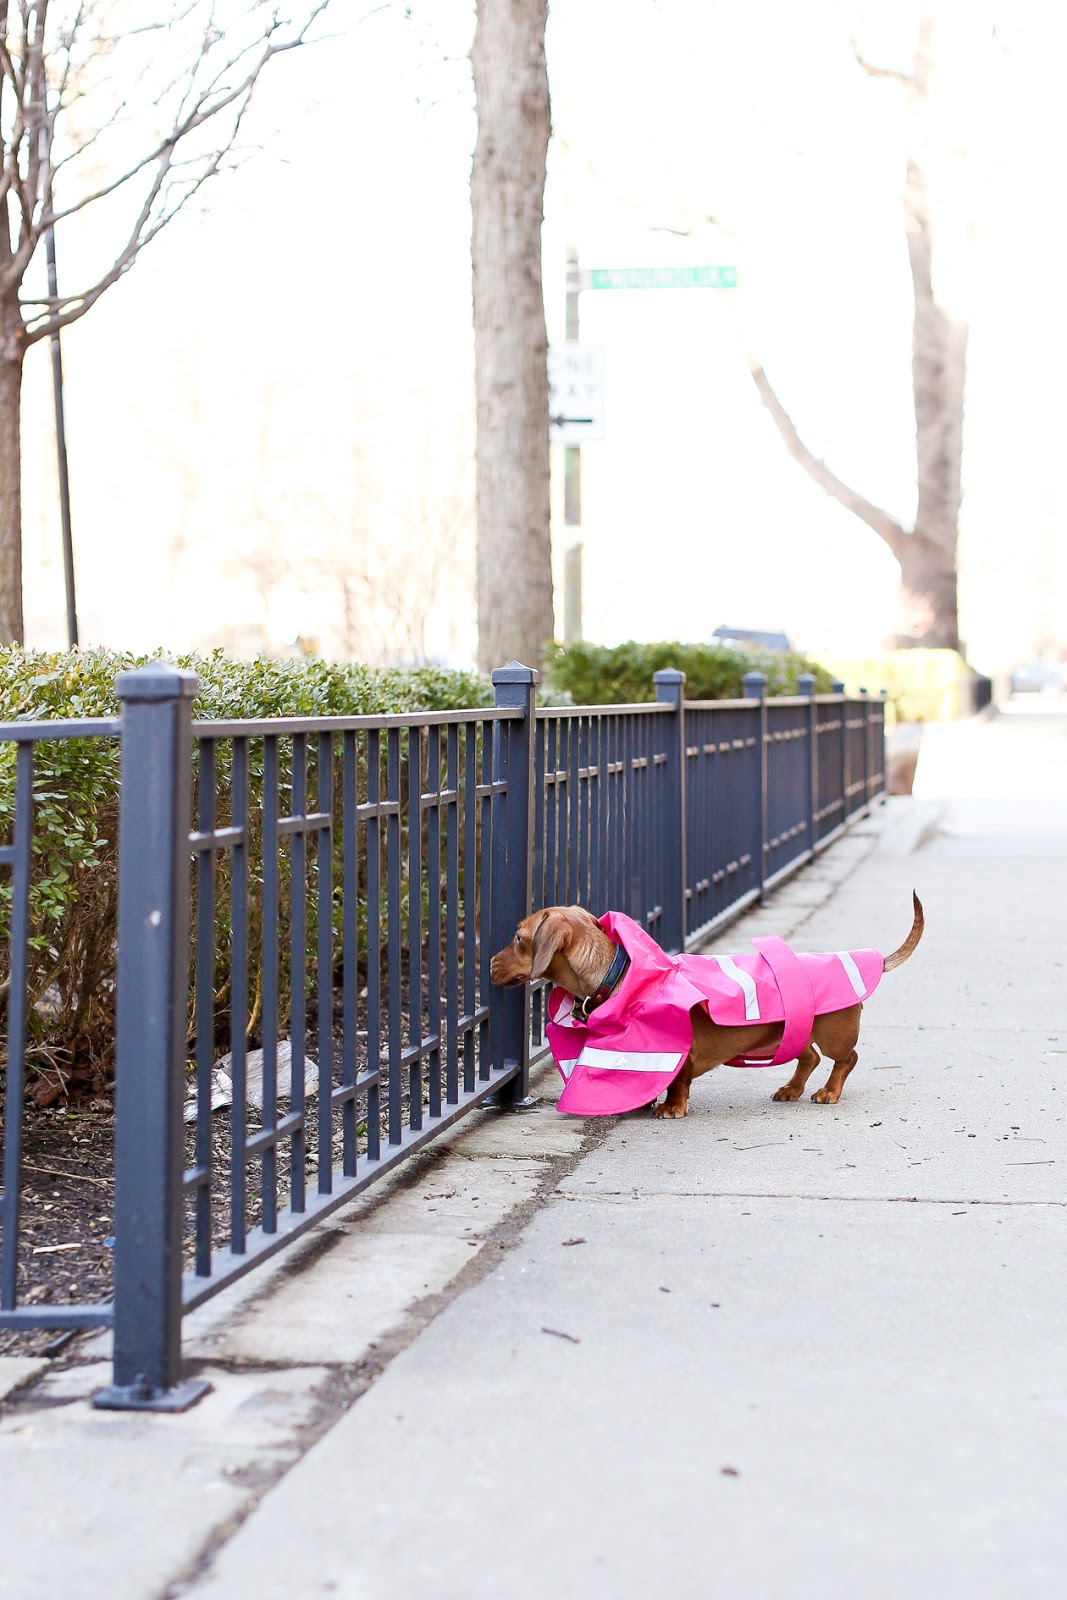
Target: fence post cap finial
[(806, 683), (515, 672), (156, 680), (754, 685), (837, 687), (670, 686)]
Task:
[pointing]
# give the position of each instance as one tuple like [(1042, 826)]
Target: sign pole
[(61, 450), (572, 487), (44, 147)]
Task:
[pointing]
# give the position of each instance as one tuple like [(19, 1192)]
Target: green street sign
[(660, 278)]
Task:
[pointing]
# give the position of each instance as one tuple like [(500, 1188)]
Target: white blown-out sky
[(271, 418)]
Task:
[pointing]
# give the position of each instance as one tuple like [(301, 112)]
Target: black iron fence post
[(837, 687), (670, 692), (515, 685), (755, 687), (806, 686), (866, 749), (153, 956)]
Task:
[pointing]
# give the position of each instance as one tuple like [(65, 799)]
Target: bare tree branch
[(202, 110), (874, 71), (142, 234), (215, 86), (136, 103), (885, 526)]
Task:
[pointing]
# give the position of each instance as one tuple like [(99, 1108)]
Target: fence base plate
[(141, 1397), (496, 1102)]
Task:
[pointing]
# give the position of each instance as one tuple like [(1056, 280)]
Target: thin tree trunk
[(939, 360), (510, 342), (12, 350), (928, 552)]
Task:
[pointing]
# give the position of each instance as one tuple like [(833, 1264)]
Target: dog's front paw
[(788, 1091), (667, 1110), (826, 1097)]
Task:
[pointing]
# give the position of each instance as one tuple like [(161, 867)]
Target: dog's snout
[(505, 971)]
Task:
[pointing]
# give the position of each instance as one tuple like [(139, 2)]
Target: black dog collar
[(609, 983)]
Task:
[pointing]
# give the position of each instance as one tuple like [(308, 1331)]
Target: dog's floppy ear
[(550, 935)]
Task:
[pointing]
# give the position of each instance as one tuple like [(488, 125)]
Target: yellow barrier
[(921, 685)]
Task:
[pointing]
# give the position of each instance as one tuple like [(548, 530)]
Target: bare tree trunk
[(928, 595), (927, 553), (510, 342), (939, 358), (12, 351)]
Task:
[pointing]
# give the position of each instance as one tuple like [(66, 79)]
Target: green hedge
[(73, 898), (591, 674)]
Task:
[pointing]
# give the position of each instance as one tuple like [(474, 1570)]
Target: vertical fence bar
[(571, 887), (516, 685), (866, 749), (539, 897), (153, 953), (205, 1004), (414, 754), (22, 844), (298, 849), (433, 927), (268, 1176), (551, 895), (598, 902), (584, 811), (470, 899), (755, 687), (492, 929), (670, 693), (393, 929), (837, 687), (634, 905), (452, 913), (806, 686), (490, 736), (239, 998)]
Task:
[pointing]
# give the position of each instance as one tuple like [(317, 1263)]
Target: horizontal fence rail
[(306, 912)]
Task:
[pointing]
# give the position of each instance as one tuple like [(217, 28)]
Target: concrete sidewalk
[(770, 1351)]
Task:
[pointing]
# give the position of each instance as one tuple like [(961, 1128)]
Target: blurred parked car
[(752, 639), (1037, 677)]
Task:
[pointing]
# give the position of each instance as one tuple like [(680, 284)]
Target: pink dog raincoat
[(630, 1047)]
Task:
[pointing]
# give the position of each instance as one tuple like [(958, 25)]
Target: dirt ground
[(66, 1213), (67, 1207)]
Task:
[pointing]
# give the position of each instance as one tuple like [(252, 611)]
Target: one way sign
[(575, 393)]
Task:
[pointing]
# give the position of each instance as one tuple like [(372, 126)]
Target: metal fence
[(334, 888)]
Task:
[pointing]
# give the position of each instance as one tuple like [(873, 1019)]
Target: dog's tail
[(898, 958)]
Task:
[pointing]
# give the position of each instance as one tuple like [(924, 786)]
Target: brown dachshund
[(567, 945)]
